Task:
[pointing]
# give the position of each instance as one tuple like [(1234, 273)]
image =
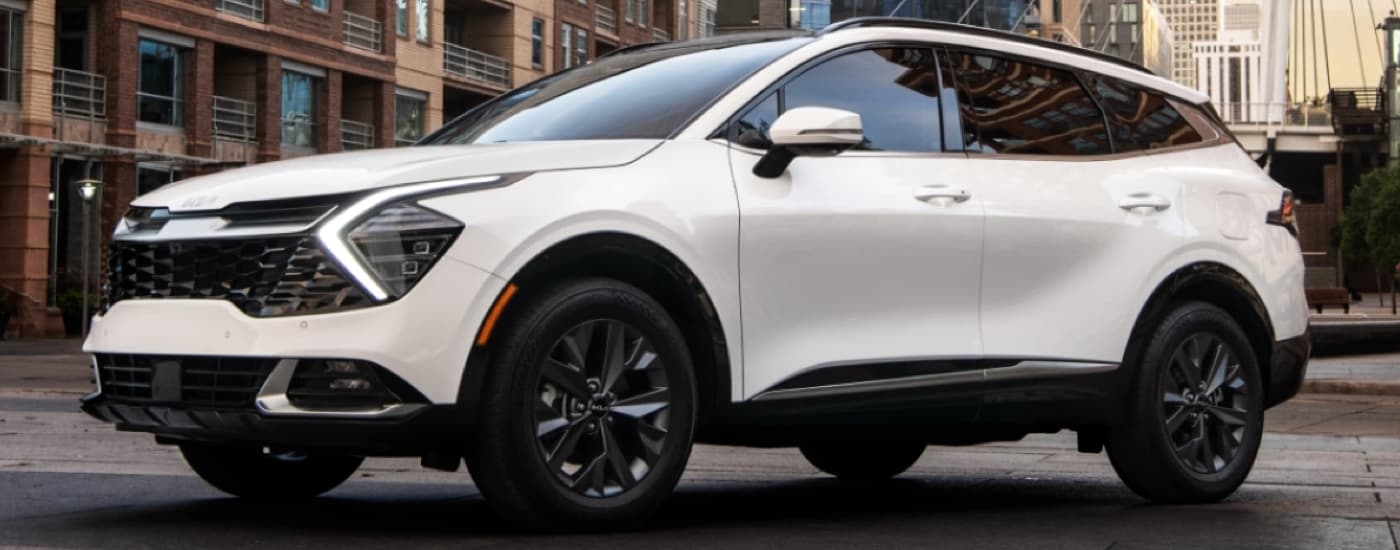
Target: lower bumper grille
[(199, 381)]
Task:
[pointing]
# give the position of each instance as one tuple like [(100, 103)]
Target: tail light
[(1284, 216)]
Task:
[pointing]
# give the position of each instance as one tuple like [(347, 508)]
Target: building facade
[(134, 94), (1135, 30), (1192, 22), (748, 15), (1230, 67)]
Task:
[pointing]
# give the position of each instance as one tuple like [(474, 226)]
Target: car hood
[(363, 170)]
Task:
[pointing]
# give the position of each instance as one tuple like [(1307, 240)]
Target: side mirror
[(808, 131)]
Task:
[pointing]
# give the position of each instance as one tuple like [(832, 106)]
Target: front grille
[(262, 276), (197, 381)]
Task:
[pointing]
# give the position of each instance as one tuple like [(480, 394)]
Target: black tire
[(1181, 444), (534, 410), (863, 460), (251, 473)]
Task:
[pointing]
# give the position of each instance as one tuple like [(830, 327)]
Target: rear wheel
[(258, 473), (863, 460), (589, 410), (1197, 415)]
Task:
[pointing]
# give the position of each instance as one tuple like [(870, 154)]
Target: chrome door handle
[(1135, 201), (929, 193)]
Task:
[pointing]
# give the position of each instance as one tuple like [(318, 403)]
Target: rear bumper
[(429, 429), (1288, 364)]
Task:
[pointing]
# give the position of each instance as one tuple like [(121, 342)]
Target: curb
[(1350, 387)]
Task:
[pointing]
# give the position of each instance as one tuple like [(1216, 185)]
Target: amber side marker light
[(495, 314)]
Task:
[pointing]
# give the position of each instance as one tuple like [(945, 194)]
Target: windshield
[(644, 94)]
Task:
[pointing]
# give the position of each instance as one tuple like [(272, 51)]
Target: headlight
[(400, 242)]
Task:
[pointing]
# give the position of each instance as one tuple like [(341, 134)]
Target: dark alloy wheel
[(602, 415), (1197, 415), (589, 409), (1204, 403), (268, 474), (863, 459)]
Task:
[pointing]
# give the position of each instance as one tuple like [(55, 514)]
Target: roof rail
[(909, 22)]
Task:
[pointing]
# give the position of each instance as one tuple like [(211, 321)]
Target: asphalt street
[(1328, 477)]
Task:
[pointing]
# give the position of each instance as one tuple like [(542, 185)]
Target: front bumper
[(425, 430), (423, 338), (1288, 364)]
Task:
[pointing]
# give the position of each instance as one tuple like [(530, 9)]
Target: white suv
[(859, 242)]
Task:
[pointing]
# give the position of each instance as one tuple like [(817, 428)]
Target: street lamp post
[(89, 189)]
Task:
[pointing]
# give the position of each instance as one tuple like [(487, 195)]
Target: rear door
[(1078, 215)]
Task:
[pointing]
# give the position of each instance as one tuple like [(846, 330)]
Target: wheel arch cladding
[(1218, 285), (641, 263)]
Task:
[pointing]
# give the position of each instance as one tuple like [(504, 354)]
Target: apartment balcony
[(235, 130), (606, 20), (1357, 111), (248, 9), (476, 66), (355, 136), (362, 32), (79, 106), (235, 119), (659, 35)]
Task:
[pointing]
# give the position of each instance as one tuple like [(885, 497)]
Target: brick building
[(138, 93)]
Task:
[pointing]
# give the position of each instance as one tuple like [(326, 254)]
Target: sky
[(1349, 69)]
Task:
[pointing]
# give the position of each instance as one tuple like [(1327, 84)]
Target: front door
[(862, 267)]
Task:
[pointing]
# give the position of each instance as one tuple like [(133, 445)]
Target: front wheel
[(1197, 414), (589, 410), (258, 473)]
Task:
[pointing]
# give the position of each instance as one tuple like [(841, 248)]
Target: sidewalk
[(60, 366)]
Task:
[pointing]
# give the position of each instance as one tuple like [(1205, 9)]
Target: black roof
[(909, 22)]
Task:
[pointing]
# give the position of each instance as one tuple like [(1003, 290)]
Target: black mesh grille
[(197, 381), (263, 277)]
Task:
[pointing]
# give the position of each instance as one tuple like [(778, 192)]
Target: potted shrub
[(70, 302)]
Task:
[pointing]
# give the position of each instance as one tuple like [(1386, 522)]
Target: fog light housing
[(401, 242), (342, 384)]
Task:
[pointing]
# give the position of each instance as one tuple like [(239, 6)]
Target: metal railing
[(475, 65), (247, 9), (1357, 110), (235, 119), (363, 32), (606, 19), (1303, 116), (660, 35), (78, 93), (356, 135)]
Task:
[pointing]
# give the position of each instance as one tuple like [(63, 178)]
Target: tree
[(1370, 227)]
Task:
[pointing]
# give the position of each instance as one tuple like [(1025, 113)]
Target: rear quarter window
[(1142, 119)]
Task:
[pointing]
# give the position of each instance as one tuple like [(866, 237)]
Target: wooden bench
[(1319, 297)]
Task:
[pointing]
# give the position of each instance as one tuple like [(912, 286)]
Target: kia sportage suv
[(859, 242)]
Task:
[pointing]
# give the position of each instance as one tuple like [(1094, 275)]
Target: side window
[(894, 90), (1142, 119), (1017, 107)]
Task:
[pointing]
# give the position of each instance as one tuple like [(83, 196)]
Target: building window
[(1056, 10), (401, 17), (580, 46), (150, 176), (298, 109), (10, 25), (537, 42), (707, 19), (158, 92), (321, 5), (683, 29), (631, 10), (643, 10), (566, 37), (422, 20), (409, 111), (814, 14)]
